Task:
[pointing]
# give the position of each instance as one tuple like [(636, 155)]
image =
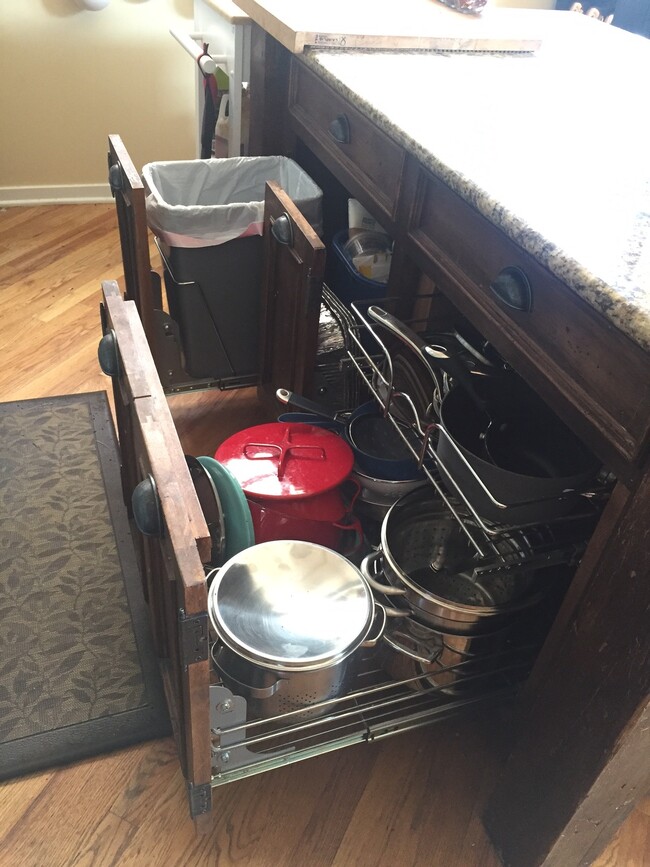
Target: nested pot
[(452, 663), (427, 562)]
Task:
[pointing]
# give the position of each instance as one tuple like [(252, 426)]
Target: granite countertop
[(552, 147)]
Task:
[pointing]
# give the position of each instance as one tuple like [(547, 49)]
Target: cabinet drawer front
[(567, 349), (371, 163)]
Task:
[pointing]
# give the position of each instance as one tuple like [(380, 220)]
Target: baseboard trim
[(74, 194)]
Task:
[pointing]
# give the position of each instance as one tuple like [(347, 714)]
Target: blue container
[(344, 279)]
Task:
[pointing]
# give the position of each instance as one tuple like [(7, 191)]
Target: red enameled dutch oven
[(292, 475)]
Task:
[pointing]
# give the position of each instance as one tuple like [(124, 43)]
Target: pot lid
[(281, 459), (210, 503), (290, 605)]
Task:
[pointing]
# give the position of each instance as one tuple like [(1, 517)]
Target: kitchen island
[(479, 165)]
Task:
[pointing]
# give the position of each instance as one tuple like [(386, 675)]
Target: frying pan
[(211, 507), (378, 449), (437, 358), (499, 445), (536, 466)]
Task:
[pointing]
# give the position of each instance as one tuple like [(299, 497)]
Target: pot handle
[(373, 642), (255, 691), (352, 523), (353, 526), (245, 689), (401, 648), (367, 568)]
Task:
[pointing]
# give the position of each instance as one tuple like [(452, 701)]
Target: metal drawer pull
[(147, 511), (340, 129), (513, 288), (115, 179), (282, 230), (109, 359)]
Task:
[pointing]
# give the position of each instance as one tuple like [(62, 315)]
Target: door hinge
[(200, 798), (193, 637)]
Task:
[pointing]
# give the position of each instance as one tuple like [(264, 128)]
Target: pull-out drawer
[(367, 161), (592, 374), (177, 543)]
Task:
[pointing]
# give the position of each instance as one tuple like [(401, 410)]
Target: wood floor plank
[(73, 805), (410, 801), (393, 801), (16, 800), (107, 845)]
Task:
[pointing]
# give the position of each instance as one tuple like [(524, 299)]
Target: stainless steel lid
[(290, 605)]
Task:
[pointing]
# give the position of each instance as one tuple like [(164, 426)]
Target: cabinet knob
[(340, 129), (511, 286), (282, 230)]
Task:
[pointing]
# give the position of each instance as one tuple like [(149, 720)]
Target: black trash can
[(209, 216)]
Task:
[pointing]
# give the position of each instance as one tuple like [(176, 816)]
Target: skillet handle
[(435, 357), (290, 398), (398, 328)]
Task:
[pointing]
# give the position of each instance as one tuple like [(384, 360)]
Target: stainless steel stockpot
[(452, 663), (290, 616), (429, 565)]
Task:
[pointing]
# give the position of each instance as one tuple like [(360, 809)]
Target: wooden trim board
[(386, 24)]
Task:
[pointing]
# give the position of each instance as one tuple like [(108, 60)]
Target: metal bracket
[(229, 750), (193, 637), (200, 798)]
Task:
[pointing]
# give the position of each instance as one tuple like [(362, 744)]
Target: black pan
[(536, 467)]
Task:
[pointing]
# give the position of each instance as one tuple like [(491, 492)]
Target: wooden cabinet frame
[(580, 760)]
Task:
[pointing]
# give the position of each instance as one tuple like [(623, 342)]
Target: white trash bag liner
[(201, 203)]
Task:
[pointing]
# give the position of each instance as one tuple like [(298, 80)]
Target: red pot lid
[(285, 459)]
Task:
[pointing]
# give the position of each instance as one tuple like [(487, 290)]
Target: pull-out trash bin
[(209, 217)]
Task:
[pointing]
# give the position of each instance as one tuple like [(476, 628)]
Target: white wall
[(69, 77)]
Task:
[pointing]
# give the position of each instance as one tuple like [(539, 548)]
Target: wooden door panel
[(291, 296), (141, 283), (171, 560)]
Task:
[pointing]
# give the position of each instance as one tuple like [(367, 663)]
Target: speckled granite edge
[(622, 305)]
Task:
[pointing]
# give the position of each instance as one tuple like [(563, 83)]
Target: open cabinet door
[(291, 297), (142, 284), (175, 542)]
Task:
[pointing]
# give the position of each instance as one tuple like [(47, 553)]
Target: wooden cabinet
[(367, 161), (594, 376), (581, 711), (177, 541), (561, 793)]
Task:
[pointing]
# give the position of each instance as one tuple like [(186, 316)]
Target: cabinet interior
[(378, 706)]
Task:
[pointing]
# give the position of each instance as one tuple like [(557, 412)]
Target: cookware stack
[(478, 559), (474, 491)]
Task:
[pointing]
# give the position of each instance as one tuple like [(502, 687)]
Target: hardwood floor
[(411, 800)]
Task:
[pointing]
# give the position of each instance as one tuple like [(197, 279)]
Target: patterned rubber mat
[(78, 675)]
